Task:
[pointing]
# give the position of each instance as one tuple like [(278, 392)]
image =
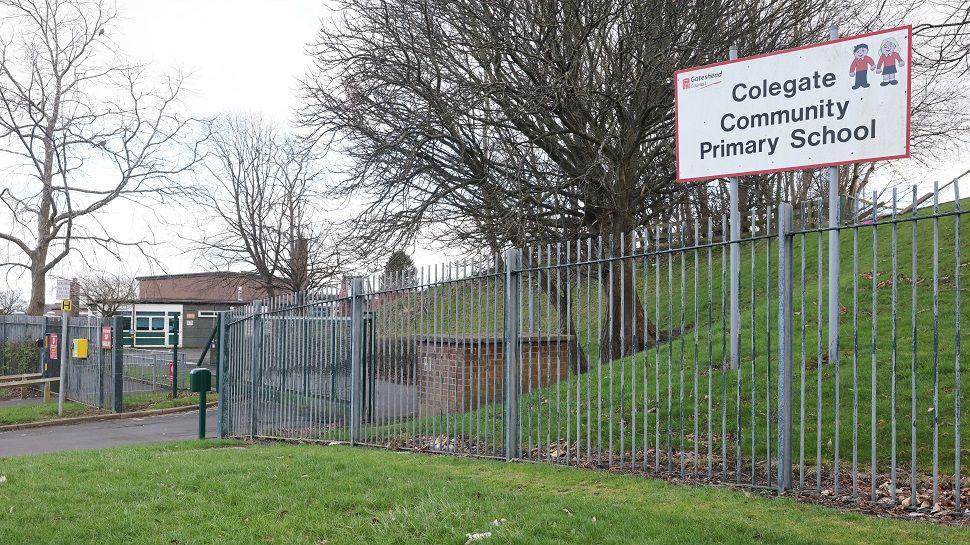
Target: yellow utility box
[(79, 349)]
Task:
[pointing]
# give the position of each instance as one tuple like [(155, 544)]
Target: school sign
[(836, 102)]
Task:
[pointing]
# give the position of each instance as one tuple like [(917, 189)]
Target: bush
[(17, 358)]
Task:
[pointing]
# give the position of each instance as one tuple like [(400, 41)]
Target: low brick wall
[(457, 374)]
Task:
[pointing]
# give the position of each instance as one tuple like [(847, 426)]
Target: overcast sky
[(243, 56)]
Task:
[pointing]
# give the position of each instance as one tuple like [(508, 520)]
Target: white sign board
[(831, 103), (62, 289)]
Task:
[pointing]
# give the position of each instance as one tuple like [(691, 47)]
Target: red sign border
[(909, 106), (107, 341)]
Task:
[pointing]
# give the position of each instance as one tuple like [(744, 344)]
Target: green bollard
[(202, 414), (200, 381)]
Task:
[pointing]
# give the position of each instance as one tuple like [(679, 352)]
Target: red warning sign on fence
[(53, 346), (106, 337)]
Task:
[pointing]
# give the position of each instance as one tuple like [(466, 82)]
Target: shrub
[(17, 358)]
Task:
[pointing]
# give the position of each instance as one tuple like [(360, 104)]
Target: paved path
[(106, 433), (17, 402)]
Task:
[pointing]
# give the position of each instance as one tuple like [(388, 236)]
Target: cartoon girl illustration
[(888, 60), (860, 66)]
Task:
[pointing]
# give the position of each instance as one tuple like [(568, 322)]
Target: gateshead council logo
[(700, 81)]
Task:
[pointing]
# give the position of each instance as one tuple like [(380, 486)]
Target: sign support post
[(785, 318), (835, 213), (735, 260)]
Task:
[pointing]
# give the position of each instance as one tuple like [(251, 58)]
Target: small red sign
[(171, 372), (53, 345), (106, 337)]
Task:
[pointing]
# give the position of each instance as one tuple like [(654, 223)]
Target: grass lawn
[(161, 400), (212, 492), (40, 412)]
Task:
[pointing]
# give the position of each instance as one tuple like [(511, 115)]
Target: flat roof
[(187, 302), (200, 275)]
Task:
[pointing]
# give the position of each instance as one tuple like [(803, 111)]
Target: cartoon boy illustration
[(860, 64), (888, 59)]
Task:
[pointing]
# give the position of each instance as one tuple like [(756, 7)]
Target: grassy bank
[(609, 403)]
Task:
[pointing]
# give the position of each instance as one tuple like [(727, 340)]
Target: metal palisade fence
[(18, 333), (104, 377), (615, 352)]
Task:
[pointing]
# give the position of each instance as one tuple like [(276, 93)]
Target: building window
[(208, 314), (150, 321)]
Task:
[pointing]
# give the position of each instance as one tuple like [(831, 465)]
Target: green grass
[(460, 308), (42, 412), (160, 400), (212, 492)]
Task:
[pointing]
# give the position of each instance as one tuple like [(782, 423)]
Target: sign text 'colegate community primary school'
[(836, 102)]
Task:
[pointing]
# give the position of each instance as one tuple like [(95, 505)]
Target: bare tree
[(496, 123), (84, 128), (11, 301), (262, 187), (107, 293), (502, 122)]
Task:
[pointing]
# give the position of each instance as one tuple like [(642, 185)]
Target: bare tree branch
[(85, 128), (261, 188)]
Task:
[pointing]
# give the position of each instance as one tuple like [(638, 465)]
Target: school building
[(187, 301)]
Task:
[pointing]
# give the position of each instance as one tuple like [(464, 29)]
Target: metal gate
[(89, 380), (293, 366)]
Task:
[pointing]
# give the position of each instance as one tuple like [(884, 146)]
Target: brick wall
[(457, 375)]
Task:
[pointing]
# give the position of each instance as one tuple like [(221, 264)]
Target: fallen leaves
[(478, 536)]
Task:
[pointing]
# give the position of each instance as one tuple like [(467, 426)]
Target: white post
[(835, 213), (735, 293)]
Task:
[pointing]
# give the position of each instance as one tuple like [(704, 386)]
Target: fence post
[(220, 375), (356, 356), (257, 349), (117, 365), (175, 359), (785, 265), (3, 342), (510, 343), (62, 382), (43, 349)]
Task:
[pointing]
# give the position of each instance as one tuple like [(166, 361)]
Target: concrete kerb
[(100, 417)]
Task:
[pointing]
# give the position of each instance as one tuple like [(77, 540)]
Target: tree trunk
[(558, 292), (626, 329), (38, 284)]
